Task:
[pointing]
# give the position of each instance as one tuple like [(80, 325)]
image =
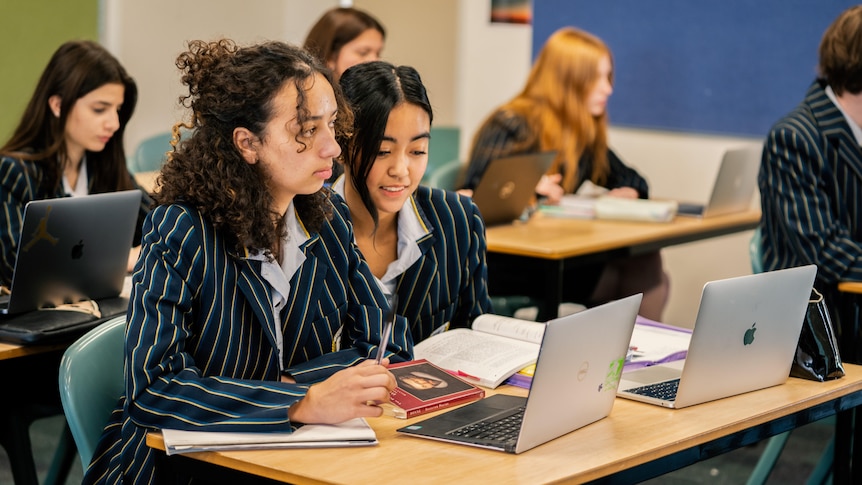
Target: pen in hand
[(387, 327)]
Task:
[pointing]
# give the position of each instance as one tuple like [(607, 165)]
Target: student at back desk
[(563, 108), (69, 141)]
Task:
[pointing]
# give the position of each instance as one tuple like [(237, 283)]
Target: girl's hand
[(347, 394)]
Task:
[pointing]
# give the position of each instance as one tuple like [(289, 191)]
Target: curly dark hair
[(230, 87)]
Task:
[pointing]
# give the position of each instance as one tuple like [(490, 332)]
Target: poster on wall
[(511, 11)]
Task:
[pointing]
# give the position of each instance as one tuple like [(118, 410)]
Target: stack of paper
[(635, 209), (574, 206)]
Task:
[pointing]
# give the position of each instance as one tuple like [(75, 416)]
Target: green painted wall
[(30, 31)]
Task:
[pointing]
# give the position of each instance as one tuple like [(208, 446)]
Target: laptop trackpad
[(652, 374)]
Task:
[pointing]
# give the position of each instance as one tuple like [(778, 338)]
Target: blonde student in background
[(426, 245), (563, 108), (69, 141), (248, 279)]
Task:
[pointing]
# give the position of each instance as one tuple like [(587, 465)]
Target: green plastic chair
[(775, 444), (91, 383), (444, 176), (151, 153), (443, 147)]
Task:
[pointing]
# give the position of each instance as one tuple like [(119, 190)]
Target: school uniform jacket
[(811, 192), (200, 347), (449, 283), (20, 183)]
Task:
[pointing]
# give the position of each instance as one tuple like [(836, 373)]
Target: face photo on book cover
[(425, 382)]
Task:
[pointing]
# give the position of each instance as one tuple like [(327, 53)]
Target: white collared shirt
[(410, 230), (857, 131), (82, 185), (279, 277)]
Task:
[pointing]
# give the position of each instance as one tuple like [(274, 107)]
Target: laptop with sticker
[(72, 249), (574, 384), (734, 185), (744, 339), (508, 186)]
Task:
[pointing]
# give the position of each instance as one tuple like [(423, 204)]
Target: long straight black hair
[(75, 69), (373, 90)]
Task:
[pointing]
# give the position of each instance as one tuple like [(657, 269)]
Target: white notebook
[(355, 432)]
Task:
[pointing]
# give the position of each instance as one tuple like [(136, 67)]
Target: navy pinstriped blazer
[(21, 182), (449, 283), (200, 348), (811, 192)]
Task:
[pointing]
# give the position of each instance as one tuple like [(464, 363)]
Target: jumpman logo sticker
[(41, 232)]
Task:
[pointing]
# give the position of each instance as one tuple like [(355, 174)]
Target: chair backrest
[(91, 383), (444, 146), (754, 252), (151, 153), (445, 176)]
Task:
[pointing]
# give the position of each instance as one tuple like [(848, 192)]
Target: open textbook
[(493, 350), (354, 432)]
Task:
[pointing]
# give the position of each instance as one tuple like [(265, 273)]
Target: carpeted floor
[(800, 456)]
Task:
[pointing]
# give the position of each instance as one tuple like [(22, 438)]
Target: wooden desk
[(535, 258), (10, 351), (636, 442)]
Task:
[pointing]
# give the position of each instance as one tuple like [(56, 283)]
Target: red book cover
[(424, 387)]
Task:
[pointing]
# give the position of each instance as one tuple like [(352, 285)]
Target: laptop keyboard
[(661, 390), (504, 429)]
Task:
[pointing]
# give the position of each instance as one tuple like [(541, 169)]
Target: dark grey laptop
[(509, 185), (577, 372), (734, 185), (72, 249), (744, 339)]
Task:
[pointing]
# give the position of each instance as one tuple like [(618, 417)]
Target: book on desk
[(494, 348), (424, 387), (573, 206)]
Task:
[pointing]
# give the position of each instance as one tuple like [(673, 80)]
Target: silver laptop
[(509, 185), (744, 339), (72, 249), (579, 365), (734, 185)]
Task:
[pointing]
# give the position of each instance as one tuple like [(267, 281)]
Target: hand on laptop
[(550, 188)]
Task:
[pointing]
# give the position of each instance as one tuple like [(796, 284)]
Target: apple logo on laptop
[(748, 338), (78, 250)]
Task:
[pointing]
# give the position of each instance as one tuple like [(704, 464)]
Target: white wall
[(469, 66), (148, 36)]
